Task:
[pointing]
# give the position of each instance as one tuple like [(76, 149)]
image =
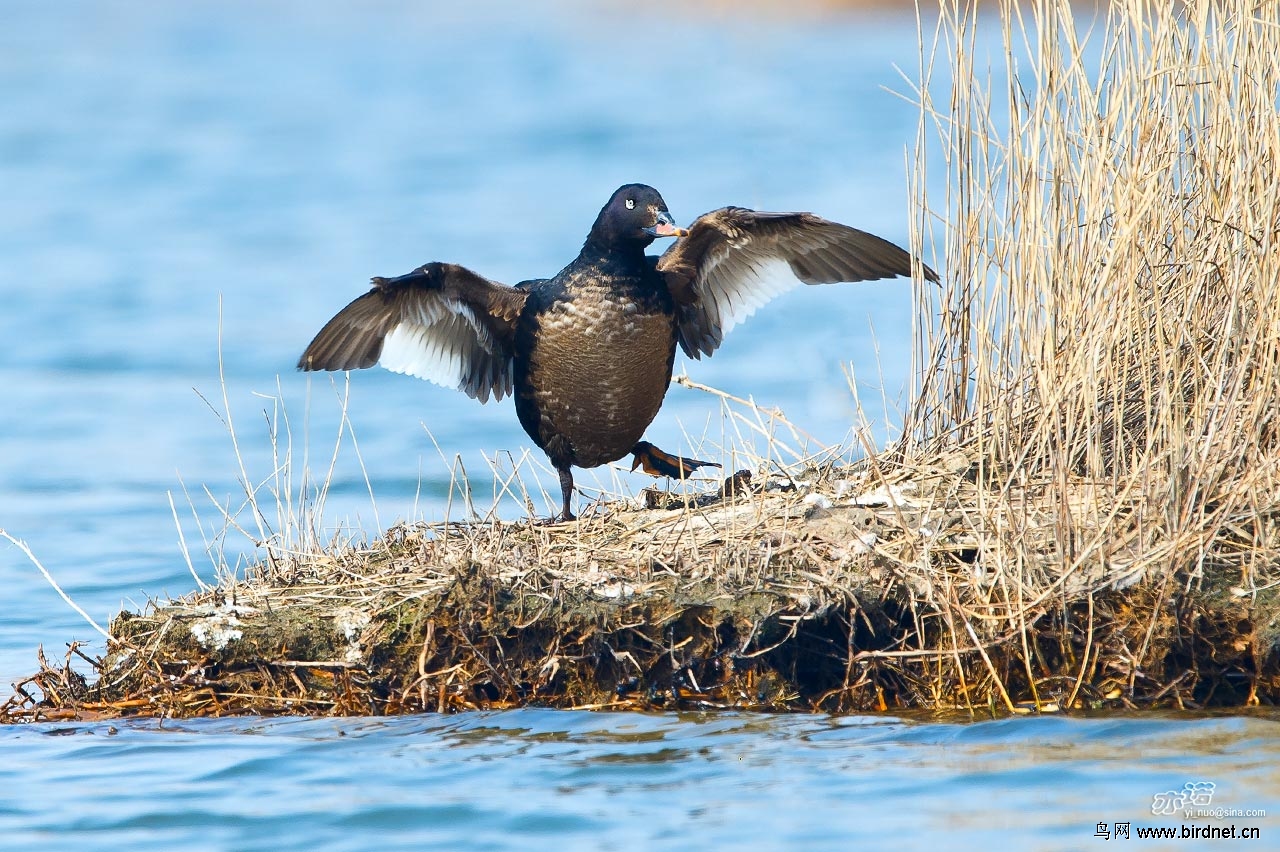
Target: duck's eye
[(631, 204)]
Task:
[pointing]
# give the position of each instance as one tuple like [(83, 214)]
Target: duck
[(588, 353)]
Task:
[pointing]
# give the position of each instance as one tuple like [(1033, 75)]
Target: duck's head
[(634, 216)]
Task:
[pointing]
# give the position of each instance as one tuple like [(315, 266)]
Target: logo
[(1197, 794)]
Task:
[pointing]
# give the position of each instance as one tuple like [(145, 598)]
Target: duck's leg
[(566, 492), (656, 462)]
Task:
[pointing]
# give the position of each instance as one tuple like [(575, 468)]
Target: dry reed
[(1110, 237)]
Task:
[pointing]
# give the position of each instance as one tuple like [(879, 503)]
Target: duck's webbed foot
[(656, 462)]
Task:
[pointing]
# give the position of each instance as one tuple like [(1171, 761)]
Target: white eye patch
[(631, 204)]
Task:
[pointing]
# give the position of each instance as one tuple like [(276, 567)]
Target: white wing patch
[(732, 288), (442, 342), (737, 292), (410, 349)]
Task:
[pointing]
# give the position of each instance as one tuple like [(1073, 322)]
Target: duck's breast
[(597, 367)]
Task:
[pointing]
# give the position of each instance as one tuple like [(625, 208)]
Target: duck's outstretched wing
[(734, 260), (441, 322)]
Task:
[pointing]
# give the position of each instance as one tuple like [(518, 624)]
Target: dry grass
[(1111, 239), (1110, 327), (1081, 514)]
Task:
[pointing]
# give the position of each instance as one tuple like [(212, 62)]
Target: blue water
[(188, 191), (575, 780)]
